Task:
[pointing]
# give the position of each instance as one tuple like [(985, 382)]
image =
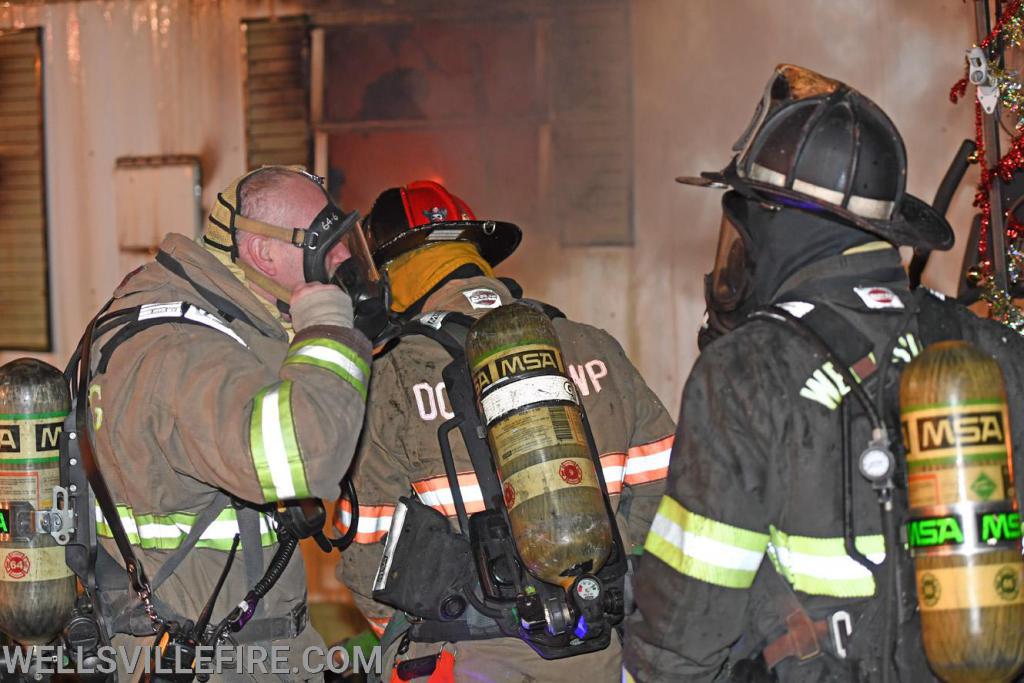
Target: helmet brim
[(496, 240)]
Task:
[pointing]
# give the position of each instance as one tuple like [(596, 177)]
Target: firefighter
[(439, 257), (758, 564), (234, 369)]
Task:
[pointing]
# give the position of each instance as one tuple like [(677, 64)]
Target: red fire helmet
[(424, 212)]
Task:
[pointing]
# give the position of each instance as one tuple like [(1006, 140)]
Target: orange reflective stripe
[(648, 462), (374, 520), (436, 493), (613, 465), (378, 624)]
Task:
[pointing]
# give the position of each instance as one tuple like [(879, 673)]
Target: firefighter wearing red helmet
[(438, 258)]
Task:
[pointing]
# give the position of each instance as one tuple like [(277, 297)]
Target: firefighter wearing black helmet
[(770, 555)]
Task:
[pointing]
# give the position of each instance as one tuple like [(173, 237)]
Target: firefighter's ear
[(258, 251)]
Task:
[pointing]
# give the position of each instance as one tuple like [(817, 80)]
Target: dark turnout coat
[(751, 527)]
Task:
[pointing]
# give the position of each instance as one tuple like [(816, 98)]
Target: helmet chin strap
[(283, 296)]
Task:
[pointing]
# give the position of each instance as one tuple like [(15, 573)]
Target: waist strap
[(802, 639)]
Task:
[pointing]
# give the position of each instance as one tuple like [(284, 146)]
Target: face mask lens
[(731, 275), (359, 253)]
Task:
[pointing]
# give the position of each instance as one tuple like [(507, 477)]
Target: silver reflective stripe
[(174, 309), (879, 209), (273, 442), (203, 318)]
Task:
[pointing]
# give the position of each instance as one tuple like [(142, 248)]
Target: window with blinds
[(24, 295), (277, 92)]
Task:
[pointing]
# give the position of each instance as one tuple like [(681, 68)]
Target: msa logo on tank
[(43, 436), (827, 387), (957, 454), (432, 399), (990, 528), (529, 358), (945, 430)]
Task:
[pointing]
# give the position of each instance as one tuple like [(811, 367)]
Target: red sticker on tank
[(17, 565), (570, 472), (510, 496)]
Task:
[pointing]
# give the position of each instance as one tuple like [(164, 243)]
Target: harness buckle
[(842, 629)]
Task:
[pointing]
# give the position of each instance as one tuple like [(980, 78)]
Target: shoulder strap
[(447, 328), (199, 525), (136, 573), (847, 344), (137, 319), (225, 308), (938, 319), (545, 308)]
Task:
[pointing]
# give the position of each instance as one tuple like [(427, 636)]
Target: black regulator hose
[(236, 620), (349, 536), (849, 535), (892, 554), (277, 565)]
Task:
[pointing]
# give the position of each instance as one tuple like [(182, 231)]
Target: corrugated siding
[(24, 297), (277, 92)]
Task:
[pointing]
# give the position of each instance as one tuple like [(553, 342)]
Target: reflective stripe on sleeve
[(275, 450), (627, 677), (374, 521), (167, 532), (701, 548), (378, 624), (436, 493), (613, 465), (330, 355), (648, 462), (820, 566)]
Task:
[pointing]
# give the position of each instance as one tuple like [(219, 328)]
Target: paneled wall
[(165, 77)]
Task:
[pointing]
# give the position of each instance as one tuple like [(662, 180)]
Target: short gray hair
[(261, 197)]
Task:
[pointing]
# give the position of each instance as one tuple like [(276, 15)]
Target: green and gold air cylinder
[(534, 423), (37, 590), (964, 530)]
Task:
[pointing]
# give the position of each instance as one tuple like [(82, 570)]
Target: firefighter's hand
[(320, 304)]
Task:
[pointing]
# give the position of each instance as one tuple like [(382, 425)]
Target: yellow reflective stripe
[(330, 355), (820, 566), (167, 532), (627, 677), (274, 446), (701, 548)]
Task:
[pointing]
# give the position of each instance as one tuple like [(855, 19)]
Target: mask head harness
[(329, 227)]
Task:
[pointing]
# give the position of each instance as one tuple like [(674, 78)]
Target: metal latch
[(59, 520)]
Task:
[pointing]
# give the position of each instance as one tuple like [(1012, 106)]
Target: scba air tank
[(964, 530), (535, 429), (37, 590)]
